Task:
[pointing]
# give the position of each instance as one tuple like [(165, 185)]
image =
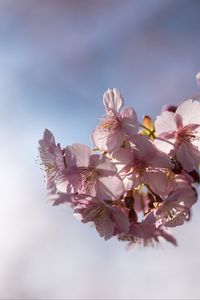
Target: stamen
[(135, 240), (108, 126), (95, 213), (87, 179), (172, 215), (186, 135)]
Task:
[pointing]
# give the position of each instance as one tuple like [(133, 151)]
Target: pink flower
[(174, 210), (144, 164), (118, 123), (181, 130), (109, 219), (141, 183), (146, 234), (198, 78), (52, 159), (177, 181), (90, 173)]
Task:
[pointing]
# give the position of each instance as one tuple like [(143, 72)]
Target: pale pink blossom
[(146, 234), (109, 219), (144, 164), (119, 123), (198, 78), (91, 173), (177, 181), (181, 132), (52, 159), (174, 210), (141, 183)]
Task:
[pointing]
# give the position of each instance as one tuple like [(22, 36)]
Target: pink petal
[(129, 121), (99, 139), (59, 158), (115, 141), (144, 148), (178, 120), (77, 155), (169, 238), (110, 187), (105, 167), (164, 146), (196, 142), (174, 211), (109, 142), (170, 214), (47, 143), (52, 159), (113, 100), (185, 197), (189, 111), (197, 77), (75, 182), (161, 161), (157, 181), (165, 123), (121, 221), (99, 213), (189, 156), (123, 156), (105, 227), (48, 137)]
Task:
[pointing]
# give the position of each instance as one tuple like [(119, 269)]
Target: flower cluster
[(138, 180)]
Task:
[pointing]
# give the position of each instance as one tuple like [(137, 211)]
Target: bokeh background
[(56, 60)]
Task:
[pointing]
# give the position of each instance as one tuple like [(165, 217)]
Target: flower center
[(90, 175), (186, 135), (48, 169), (139, 167), (87, 180), (109, 125)]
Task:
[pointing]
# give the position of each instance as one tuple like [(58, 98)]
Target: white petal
[(110, 187), (165, 123), (112, 99), (78, 155), (189, 110), (163, 146)]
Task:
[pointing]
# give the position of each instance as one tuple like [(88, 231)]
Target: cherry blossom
[(181, 132), (135, 184), (146, 234), (174, 210), (52, 158), (119, 123), (91, 173), (144, 164), (109, 219)]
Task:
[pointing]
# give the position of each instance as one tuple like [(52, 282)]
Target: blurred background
[(56, 60)]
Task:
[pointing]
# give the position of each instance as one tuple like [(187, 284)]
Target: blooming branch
[(136, 183)]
